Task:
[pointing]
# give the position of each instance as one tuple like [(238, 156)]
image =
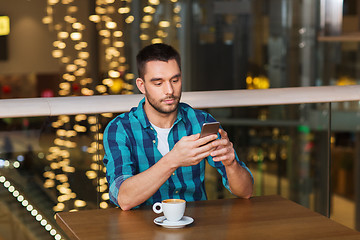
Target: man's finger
[(205, 140), (222, 133)]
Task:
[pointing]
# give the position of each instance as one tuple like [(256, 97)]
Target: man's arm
[(240, 180), (190, 150)]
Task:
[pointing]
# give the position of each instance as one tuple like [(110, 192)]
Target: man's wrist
[(170, 162), (231, 163)]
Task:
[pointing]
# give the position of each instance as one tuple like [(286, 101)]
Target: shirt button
[(151, 128), (173, 174), (177, 192), (154, 141)]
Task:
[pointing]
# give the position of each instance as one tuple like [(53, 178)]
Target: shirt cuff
[(114, 188)]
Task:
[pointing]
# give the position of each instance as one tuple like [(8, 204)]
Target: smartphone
[(209, 128)]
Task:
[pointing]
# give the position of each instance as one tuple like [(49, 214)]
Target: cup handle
[(155, 206)]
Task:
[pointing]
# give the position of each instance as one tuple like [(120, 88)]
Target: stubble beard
[(158, 107)]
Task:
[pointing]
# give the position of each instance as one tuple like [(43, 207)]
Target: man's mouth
[(169, 100)]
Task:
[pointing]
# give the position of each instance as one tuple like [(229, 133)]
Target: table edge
[(65, 227)]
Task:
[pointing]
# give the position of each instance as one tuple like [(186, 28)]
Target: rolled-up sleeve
[(117, 158)]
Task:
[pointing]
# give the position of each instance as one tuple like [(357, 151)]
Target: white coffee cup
[(173, 209)]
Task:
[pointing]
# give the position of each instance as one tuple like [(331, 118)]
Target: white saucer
[(179, 224)]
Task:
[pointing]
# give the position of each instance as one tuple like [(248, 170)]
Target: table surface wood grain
[(264, 217)]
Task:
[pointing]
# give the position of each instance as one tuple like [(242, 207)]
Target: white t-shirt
[(162, 136)]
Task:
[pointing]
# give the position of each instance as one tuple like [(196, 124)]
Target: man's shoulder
[(195, 115), (123, 118), (188, 110)]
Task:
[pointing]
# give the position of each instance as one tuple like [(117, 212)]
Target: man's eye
[(175, 80), (157, 83)]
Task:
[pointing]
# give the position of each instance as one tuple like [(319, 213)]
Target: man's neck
[(161, 120)]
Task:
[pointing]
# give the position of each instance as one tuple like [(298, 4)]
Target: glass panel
[(48, 165), (286, 148), (26, 198), (52, 164), (345, 158)]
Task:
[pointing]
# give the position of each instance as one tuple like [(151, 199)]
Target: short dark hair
[(156, 52)]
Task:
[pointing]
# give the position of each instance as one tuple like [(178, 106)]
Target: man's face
[(162, 85)]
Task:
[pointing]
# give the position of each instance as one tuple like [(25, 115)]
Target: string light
[(30, 208), (70, 36), (160, 31)]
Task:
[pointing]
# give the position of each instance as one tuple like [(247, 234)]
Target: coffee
[(173, 201)]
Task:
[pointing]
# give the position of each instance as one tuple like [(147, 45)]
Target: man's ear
[(140, 85)]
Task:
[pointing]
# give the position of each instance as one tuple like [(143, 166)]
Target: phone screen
[(209, 128)]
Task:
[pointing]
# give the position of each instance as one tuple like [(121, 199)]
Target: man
[(155, 152)]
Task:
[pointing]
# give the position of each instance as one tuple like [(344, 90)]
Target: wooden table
[(266, 217)]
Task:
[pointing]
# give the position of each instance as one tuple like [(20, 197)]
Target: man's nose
[(169, 89)]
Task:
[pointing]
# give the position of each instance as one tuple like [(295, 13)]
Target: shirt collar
[(143, 119)]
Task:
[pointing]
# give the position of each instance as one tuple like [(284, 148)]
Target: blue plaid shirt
[(130, 144)]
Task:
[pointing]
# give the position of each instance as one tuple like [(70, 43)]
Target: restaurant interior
[(67, 48)]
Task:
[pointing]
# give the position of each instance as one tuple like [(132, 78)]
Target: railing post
[(329, 166), (357, 181)]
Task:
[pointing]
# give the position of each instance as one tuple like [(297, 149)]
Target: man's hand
[(190, 150), (224, 150)]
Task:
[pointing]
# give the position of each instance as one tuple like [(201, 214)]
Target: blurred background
[(63, 48)]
